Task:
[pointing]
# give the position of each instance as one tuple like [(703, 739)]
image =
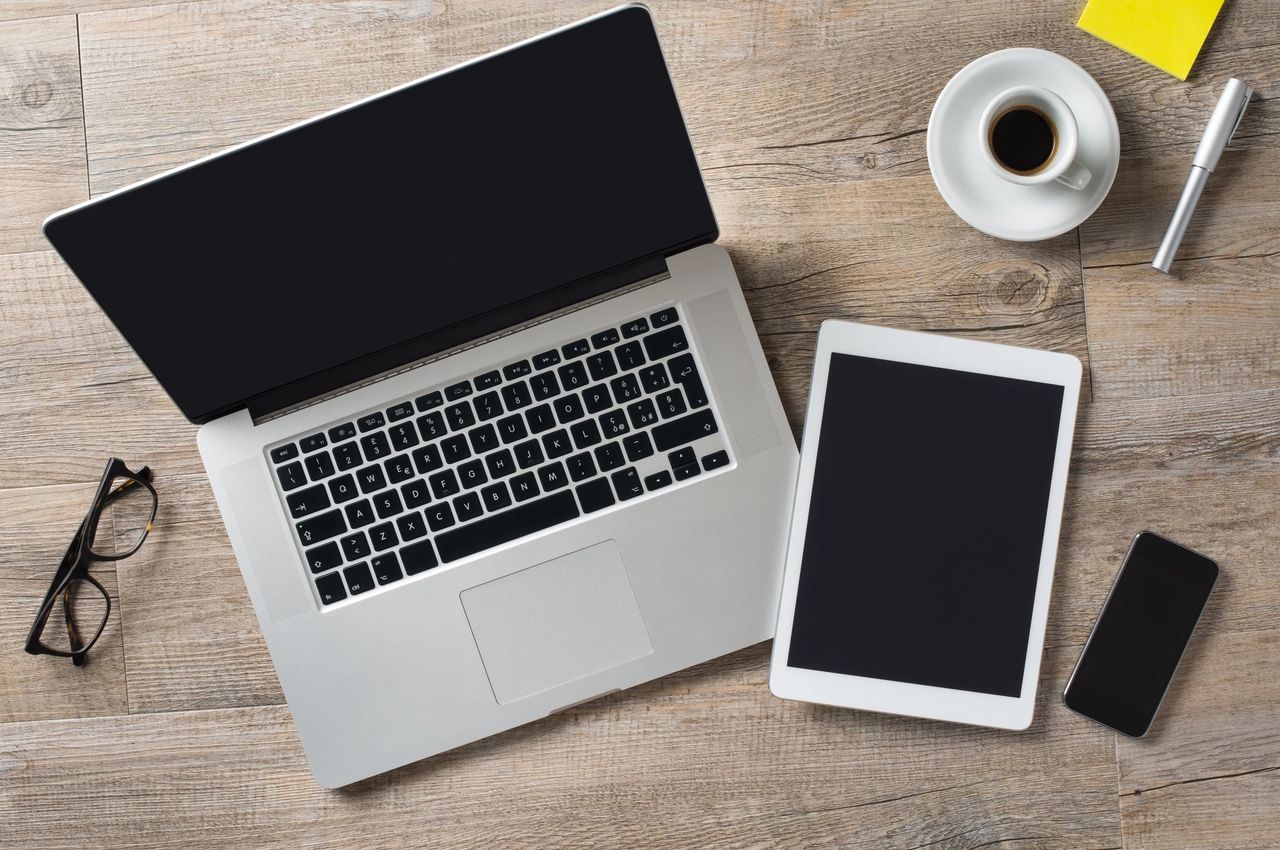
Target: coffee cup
[(1030, 137)]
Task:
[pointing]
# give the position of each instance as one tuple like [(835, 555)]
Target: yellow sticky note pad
[(1166, 33)]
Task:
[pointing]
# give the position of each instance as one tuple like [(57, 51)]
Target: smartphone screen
[(1140, 635)]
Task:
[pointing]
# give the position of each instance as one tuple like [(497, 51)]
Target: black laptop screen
[(433, 214)]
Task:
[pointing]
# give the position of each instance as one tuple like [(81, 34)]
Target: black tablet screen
[(925, 526)]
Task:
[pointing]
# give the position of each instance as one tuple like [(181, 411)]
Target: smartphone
[(1138, 639)]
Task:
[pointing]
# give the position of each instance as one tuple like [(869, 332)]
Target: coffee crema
[(1023, 139)]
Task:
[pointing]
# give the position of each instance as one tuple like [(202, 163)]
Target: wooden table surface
[(809, 120)]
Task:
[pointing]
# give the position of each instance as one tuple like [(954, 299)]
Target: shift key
[(686, 429)]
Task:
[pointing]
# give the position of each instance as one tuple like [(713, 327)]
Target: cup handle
[(1076, 176)]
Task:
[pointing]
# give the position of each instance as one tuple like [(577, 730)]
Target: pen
[(1222, 126)]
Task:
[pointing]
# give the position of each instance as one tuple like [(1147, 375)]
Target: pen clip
[(1244, 106)]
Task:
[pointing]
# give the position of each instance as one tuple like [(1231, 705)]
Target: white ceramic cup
[(1061, 165)]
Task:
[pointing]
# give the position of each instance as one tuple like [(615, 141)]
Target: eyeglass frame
[(78, 558)]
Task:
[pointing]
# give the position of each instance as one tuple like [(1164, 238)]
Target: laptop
[(481, 403)]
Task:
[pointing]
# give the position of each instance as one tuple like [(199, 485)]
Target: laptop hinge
[(261, 410)]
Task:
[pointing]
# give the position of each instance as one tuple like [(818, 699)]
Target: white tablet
[(925, 525)]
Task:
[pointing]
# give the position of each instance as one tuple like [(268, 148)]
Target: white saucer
[(971, 186)]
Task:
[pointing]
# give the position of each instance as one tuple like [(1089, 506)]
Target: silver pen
[(1222, 126)]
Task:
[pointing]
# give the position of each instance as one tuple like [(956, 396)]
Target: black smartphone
[(1138, 639)]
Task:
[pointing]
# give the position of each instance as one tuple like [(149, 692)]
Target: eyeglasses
[(77, 606)]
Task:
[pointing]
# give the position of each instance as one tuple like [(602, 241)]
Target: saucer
[(967, 181)]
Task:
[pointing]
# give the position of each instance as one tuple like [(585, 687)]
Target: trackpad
[(556, 622)]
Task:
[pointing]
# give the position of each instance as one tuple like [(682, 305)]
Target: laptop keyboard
[(529, 445)]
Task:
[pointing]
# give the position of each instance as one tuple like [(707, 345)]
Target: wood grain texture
[(42, 149), (18, 9)]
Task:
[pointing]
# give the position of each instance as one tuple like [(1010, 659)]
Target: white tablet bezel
[(838, 337)]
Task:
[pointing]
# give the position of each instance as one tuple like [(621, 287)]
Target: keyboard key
[(358, 577), (319, 466), (348, 456), (428, 401), (518, 522), (601, 366), (488, 379), (575, 349), (324, 557), (614, 424), (345, 431), (411, 525), (516, 370), (715, 460), (371, 479), (671, 403), (642, 413), (685, 373), (453, 392), (609, 456), (557, 443), (585, 434), (383, 537), (657, 481), (439, 516), (596, 398), (540, 418), (516, 396), (459, 416), (291, 476), (604, 339), (375, 446), (359, 514), (415, 493), (371, 422), (343, 489), (654, 378), (544, 386), (664, 317), (403, 410), (418, 558), (638, 447), (625, 388), (387, 504), (320, 528), (431, 426), (500, 464), (399, 469), (528, 453), (524, 486), (488, 406), (686, 429), (511, 429), (546, 359), (553, 476), (635, 327), (427, 459), (627, 483), (595, 495), (683, 473), (682, 457), (495, 496), (315, 441), (581, 466), (484, 439), (386, 568), (456, 449), (444, 484), (331, 589), (403, 436), (468, 507), (573, 376), (568, 408), (630, 356), (665, 343), (308, 501), (283, 453), (472, 474)]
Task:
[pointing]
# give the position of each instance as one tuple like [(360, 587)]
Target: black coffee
[(1023, 139)]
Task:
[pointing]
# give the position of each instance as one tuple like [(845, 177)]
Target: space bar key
[(507, 526)]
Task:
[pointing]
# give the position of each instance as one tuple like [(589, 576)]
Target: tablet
[(925, 525)]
